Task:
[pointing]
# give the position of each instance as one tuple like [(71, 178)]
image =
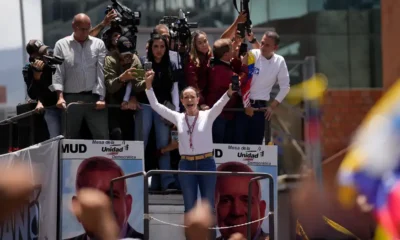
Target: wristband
[(253, 41)]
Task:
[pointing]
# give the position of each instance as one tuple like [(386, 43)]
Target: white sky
[(10, 24)]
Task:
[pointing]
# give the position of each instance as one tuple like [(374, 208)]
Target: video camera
[(244, 7), (179, 28), (44, 53), (126, 20)]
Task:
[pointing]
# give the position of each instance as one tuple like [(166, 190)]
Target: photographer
[(38, 77), (118, 71), (94, 32)]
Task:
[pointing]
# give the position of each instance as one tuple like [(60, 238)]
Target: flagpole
[(24, 54)]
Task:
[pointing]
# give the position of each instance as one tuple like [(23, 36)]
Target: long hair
[(194, 55), (150, 56), (165, 60)]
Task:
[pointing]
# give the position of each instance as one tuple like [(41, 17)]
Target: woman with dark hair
[(196, 67), (166, 90)]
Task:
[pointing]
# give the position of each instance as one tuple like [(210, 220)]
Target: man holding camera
[(118, 72), (81, 79), (38, 77)]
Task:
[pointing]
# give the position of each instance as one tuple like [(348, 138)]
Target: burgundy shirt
[(197, 77)]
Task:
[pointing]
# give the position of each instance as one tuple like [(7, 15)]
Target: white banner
[(232, 192), (94, 163), (38, 219)]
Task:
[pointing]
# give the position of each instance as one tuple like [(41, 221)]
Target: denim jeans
[(145, 118), (190, 183), (52, 116), (223, 130), (250, 130)]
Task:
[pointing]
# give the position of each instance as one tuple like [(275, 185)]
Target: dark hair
[(274, 35), (189, 87), (150, 56)]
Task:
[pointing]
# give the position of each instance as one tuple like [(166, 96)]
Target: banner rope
[(147, 216)]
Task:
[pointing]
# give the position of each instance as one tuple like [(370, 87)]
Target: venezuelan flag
[(245, 85), (372, 166)]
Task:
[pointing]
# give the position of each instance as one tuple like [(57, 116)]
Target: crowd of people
[(166, 91)]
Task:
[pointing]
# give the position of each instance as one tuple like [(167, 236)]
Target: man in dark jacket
[(38, 78), (224, 65)]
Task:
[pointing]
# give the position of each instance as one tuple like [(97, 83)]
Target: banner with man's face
[(93, 164), (231, 193)]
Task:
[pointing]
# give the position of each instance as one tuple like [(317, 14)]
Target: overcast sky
[(11, 62)]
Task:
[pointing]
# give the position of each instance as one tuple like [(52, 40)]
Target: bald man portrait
[(231, 198), (97, 172), (81, 79)]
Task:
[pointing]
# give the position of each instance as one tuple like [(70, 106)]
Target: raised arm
[(216, 110), (164, 112)]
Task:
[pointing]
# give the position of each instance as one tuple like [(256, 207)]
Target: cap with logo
[(36, 46), (125, 46)]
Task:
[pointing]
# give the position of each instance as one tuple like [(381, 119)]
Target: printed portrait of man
[(97, 172), (231, 198)]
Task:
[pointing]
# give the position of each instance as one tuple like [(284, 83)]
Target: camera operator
[(38, 77), (110, 38), (118, 71), (94, 32)]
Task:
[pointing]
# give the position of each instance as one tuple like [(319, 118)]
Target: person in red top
[(196, 68), (224, 65)]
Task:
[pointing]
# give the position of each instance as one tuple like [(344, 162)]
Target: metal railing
[(256, 177)]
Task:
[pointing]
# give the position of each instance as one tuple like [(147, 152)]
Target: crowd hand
[(204, 107), (124, 105), (133, 104), (250, 36), (16, 187), (198, 220), (39, 107), (38, 65), (61, 103), (149, 76), (129, 74), (100, 105), (249, 111), (268, 113), (242, 17), (230, 90), (111, 15), (93, 209)]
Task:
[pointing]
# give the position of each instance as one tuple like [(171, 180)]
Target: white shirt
[(266, 73), (202, 134), (83, 66)]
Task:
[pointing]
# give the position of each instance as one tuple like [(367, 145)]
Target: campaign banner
[(37, 219), (94, 163), (232, 191)]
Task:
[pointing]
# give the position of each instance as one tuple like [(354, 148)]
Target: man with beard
[(231, 197), (118, 72)]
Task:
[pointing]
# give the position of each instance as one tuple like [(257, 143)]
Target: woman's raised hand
[(149, 76)]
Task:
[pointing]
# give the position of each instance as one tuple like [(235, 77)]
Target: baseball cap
[(125, 46), (36, 46)]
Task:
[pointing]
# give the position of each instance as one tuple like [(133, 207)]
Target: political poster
[(232, 191), (94, 163), (35, 221)]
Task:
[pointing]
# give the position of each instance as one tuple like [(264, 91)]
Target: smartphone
[(148, 66), (243, 49), (235, 83), (174, 135), (139, 73), (241, 28)]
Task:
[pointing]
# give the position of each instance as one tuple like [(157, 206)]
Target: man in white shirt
[(81, 79), (269, 68)]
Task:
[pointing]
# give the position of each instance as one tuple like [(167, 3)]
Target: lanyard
[(191, 129)]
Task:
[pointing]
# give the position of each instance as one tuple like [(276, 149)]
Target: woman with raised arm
[(195, 140)]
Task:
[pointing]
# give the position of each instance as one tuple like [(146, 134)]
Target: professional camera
[(126, 20), (37, 50), (179, 28)]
